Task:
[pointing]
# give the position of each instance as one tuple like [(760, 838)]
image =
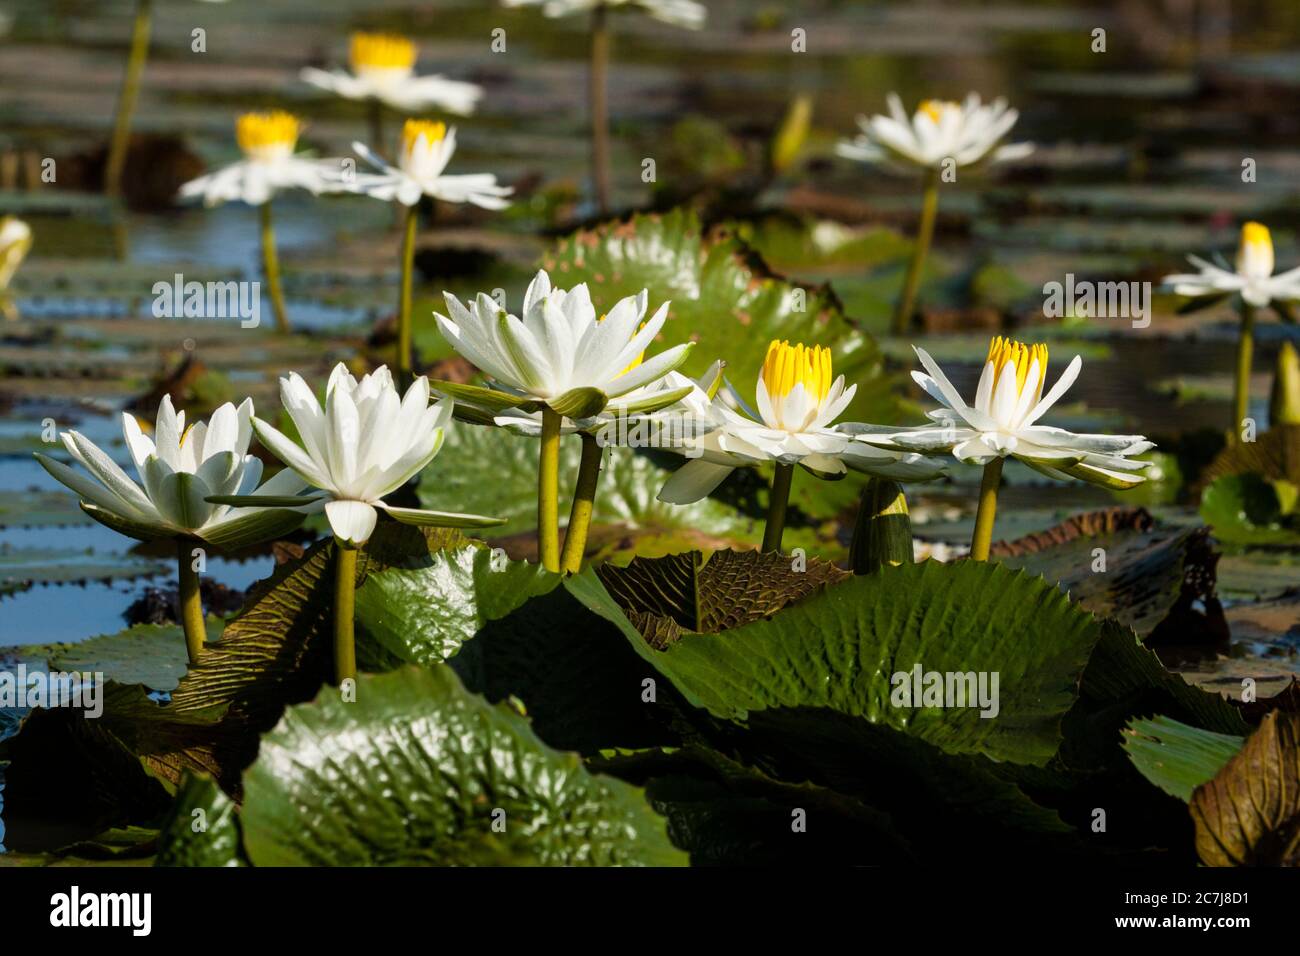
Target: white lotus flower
[(15, 243), (560, 354), (268, 141), (179, 469), (367, 442), (682, 13), (383, 69), (968, 133), (1003, 422), (793, 424), (1253, 276), (427, 148)]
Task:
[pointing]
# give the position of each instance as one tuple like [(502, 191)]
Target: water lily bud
[(1284, 401), (792, 134), (883, 534)]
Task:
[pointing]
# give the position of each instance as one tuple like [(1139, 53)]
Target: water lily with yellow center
[(1251, 279), (797, 402), (560, 360), (427, 148), (179, 468), (382, 70), (941, 135), (1003, 423), (268, 141)]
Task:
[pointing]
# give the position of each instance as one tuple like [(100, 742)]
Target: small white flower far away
[(365, 443), (427, 148), (269, 166), (1253, 276), (382, 68), (793, 424), (15, 243), (682, 13), (179, 469), (1003, 422), (967, 133), (561, 353)]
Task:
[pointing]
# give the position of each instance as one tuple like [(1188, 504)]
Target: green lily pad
[(1244, 509), (843, 650), (419, 771), (1175, 757), (202, 828)]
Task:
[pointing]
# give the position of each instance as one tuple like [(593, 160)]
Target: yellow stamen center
[(432, 132), (256, 132), (381, 51), (936, 108), (1255, 254), (789, 365), (1002, 351)]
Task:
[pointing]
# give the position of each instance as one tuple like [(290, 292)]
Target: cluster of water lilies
[(562, 368)]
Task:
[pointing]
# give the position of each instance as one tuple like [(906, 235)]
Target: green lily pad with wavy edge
[(419, 771)]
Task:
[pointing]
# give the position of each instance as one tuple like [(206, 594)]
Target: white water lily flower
[(268, 141), (427, 148), (560, 354), (682, 13), (15, 243), (179, 468), (1003, 422), (797, 405), (1253, 276), (365, 443), (967, 133), (670, 409), (383, 69)]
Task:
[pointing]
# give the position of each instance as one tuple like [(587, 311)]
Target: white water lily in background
[(268, 141), (365, 443), (383, 68), (798, 403), (968, 133), (15, 243), (1003, 422), (427, 148), (1253, 276), (561, 353), (179, 468), (682, 13)]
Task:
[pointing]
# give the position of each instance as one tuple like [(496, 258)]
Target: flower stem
[(600, 105), (191, 604), (126, 98), (988, 507), (1241, 388), (776, 506), (345, 593), (376, 117), (271, 267), (548, 491), (404, 347), (584, 498), (924, 233)]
